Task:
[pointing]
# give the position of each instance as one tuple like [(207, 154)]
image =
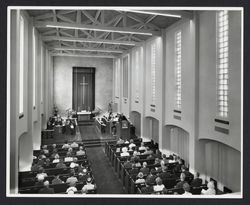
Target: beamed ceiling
[(100, 33)]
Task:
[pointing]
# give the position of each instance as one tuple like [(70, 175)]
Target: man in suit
[(148, 189), (144, 169), (127, 164), (46, 189), (197, 182), (57, 180), (164, 174), (60, 164), (151, 177), (182, 181), (134, 170)]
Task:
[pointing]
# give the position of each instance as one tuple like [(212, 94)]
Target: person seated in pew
[(84, 190), (40, 180), (47, 164), (137, 163), (186, 189), (157, 161), (196, 182), (60, 164), (182, 181), (184, 170), (66, 145), (148, 152), (41, 173), (150, 157), (45, 149), (211, 189), (177, 168), (74, 164), (142, 147), (56, 160), (46, 189), (140, 178), (126, 142), (157, 154), (72, 178), (82, 176), (42, 155), (89, 185), (68, 158), (81, 167), (151, 177), (135, 156), (164, 158), (80, 152), (35, 167), (127, 164), (40, 162), (70, 151), (164, 174), (125, 152), (131, 145), (54, 147), (144, 169), (74, 145), (159, 186), (134, 170), (72, 188), (148, 189), (57, 180), (120, 141), (159, 169), (54, 154)]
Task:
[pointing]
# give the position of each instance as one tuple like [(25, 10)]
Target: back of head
[(40, 178), (89, 180), (158, 181), (186, 187), (46, 183), (84, 190), (144, 164), (140, 175), (72, 184), (210, 185)]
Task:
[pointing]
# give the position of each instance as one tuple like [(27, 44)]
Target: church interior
[(124, 101)]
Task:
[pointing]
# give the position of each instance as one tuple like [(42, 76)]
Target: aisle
[(106, 180)]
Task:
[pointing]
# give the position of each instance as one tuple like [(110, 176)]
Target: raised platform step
[(96, 142)]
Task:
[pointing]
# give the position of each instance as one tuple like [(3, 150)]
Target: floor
[(106, 180)]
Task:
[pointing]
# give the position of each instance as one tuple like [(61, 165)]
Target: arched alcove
[(222, 163), (135, 118), (152, 129), (36, 135), (176, 141), (25, 152)]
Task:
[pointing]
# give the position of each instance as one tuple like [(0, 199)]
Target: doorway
[(83, 88)]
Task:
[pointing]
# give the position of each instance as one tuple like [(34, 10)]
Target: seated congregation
[(59, 168), (143, 169)]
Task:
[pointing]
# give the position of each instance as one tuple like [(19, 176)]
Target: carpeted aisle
[(106, 180)]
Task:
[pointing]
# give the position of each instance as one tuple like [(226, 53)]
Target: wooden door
[(83, 88)]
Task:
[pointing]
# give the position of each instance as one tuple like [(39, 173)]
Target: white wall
[(63, 80), (198, 93), (25, 130)]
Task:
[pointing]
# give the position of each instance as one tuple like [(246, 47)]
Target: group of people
[(65, 124), (79, 173), (153, 178)]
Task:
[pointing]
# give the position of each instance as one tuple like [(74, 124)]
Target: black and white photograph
[(124, 102)]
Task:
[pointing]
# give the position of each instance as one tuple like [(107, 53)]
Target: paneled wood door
[(83, 88)]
